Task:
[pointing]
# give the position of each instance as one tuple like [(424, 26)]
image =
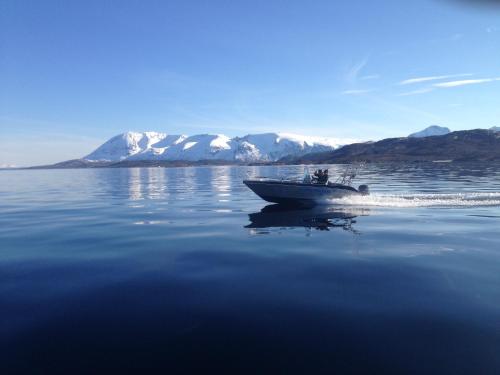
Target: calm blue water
[(185, 269)]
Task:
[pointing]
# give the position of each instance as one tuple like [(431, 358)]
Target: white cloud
[(432, 78), (464, 82), (355, 92), (417, 92), (371, 76), (354, 70), (450, 38)]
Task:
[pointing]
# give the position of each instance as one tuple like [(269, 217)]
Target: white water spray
[(470, 199)]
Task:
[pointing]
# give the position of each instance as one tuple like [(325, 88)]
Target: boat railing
[(349, 173), (346, 177)]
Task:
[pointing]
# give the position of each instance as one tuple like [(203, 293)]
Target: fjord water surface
[(185, 269)]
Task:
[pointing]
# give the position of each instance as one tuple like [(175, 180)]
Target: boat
[(309, 191)]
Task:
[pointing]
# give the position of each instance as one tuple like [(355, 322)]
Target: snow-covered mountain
[(252, 147), (495, 128), (125, 145), (430, 132)]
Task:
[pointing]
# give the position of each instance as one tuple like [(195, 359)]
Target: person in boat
[(320, 176)]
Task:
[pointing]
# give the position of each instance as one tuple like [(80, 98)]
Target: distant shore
[(468, 146)]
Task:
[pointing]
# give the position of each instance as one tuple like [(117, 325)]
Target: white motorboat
[(309, 191)]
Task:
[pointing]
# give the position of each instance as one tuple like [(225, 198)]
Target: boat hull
[(295, 193)]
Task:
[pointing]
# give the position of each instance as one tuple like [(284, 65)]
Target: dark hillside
[(467, 145)]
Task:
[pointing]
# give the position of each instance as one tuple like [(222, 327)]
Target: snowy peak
[(252, 147), (308, 141), (128, 144), (431, 131), (194, 148), (274, 146)]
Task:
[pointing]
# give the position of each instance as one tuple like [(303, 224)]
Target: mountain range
[(153, 146), (132, 149)]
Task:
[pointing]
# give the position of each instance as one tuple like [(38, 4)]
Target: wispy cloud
[(444, 85), (417, 92), (464, 82), (369, 77), (356, 92), (449, 38), (432, 78), (354, 70)]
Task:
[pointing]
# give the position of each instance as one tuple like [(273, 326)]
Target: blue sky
[(75, 73)]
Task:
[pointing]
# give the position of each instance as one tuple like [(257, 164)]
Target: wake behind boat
[(310, 191)]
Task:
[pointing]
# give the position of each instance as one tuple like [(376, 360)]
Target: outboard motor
[(363, 189)]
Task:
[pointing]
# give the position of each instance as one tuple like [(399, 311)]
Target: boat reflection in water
[(318, 217)]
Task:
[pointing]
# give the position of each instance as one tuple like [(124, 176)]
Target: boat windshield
[(307, 177)]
